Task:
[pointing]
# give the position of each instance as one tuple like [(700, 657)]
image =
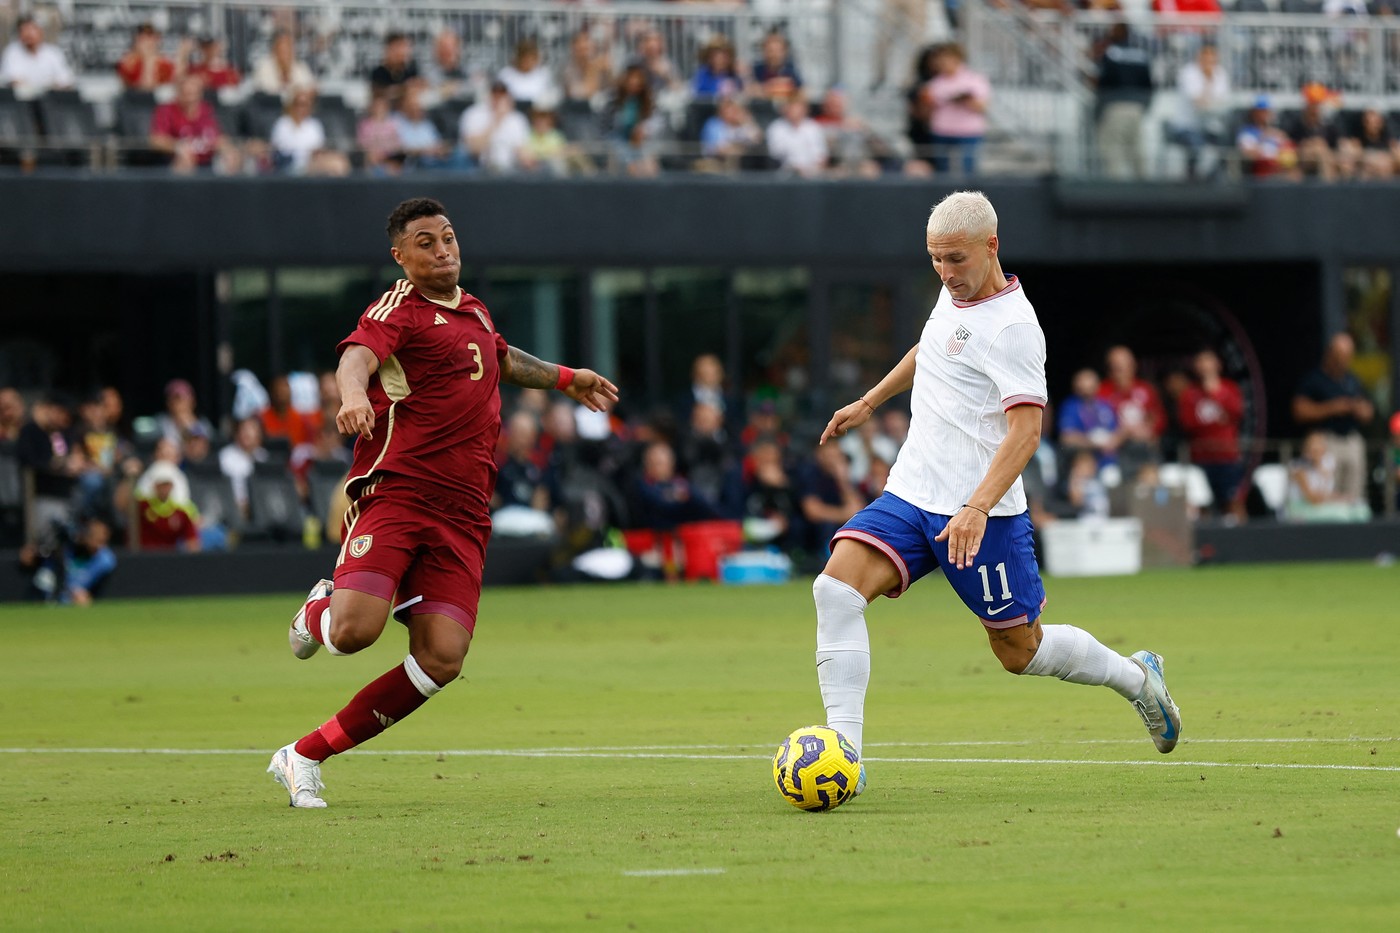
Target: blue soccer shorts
[(1002, 587)]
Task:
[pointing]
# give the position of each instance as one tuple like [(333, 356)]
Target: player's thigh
[(863, 568), (1002, 586), (381, 544), (445, 577), (884, 548)]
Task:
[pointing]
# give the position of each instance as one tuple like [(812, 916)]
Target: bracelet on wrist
[(566, 377), (867, 404), (969, 505)]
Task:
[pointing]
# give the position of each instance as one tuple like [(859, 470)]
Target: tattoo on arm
[(528, 372)]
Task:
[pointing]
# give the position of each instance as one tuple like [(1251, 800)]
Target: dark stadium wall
[(1166, 269)]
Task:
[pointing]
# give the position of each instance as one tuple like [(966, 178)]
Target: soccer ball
[(816, 768)]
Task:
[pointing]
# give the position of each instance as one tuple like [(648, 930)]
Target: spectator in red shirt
[(280, 419), (1141, 417), (210, 63), (1210, 411), (165, 522), (143, 68), (188, 129)]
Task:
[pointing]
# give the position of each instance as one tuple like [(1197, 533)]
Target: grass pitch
[(604, 765)]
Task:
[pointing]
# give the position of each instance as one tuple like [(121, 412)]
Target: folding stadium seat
[(260, 111), (765, 111), (578, 122), (133, 129), (447, 117), (70, 128), (274, 508), (696, 113), (213, 495), (338, 120), (11, 497), (18, 130)]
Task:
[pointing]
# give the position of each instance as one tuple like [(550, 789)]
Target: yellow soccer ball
[(816, 768)]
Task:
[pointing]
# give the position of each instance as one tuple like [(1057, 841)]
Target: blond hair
[(963, 212)]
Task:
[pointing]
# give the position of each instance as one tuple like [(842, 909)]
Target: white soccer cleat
[(300, 776), (860, 782), (299, 635), (1154, 704)]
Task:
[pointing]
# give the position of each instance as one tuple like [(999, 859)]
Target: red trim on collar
[(1012, 283)]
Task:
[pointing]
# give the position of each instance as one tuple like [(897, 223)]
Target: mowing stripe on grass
[(680, 756), (672, 872)]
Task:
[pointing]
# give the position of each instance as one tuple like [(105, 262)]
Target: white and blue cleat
[(860, 782), (1154, 704)]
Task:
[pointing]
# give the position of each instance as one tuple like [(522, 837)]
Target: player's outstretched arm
[(356, 415), (900, 379), (582, 385)]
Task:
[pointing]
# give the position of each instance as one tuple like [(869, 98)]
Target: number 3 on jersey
[(477, 373), (987, 582)]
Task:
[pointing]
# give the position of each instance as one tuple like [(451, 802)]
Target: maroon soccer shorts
[(410, 538)]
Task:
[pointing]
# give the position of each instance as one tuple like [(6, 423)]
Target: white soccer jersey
[(976, 359)]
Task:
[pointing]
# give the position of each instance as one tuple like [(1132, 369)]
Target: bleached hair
[(963, 212)]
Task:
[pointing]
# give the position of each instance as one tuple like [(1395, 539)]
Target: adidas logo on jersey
[(439, 319)]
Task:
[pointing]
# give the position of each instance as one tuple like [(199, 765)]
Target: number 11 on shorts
[(987, 582)]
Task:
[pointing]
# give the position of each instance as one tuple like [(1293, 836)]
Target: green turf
[(1070, 820)]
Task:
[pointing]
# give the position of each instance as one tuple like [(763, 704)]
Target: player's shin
[(843, 655), (1072, 654), (378, 706)]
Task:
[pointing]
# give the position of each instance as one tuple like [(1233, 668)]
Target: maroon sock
[(314, 609), (374, 709)]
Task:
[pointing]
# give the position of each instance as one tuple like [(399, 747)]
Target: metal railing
[(342, 40), (1041, 65)]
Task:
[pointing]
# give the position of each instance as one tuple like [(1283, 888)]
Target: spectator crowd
[(615, 98), (271, 468)]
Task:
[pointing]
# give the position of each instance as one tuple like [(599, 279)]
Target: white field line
[(621, 752), (598, 749), (671, 872)]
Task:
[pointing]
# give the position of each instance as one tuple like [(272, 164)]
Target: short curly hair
[(409, 211)]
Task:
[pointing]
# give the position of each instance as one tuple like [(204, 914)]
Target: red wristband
[(566, 377)]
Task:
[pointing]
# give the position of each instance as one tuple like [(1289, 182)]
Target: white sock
[(843, 655), (425, 684), (326, 632), (1074, 655)]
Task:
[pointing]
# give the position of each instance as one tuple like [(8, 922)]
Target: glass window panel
[(774, 337), (1368, 321), (248, 319), (693, 312), (862, 335)]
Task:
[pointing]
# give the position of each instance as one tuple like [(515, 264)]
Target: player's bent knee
[(442, 667)]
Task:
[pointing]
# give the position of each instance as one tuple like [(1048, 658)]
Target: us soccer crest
[(359, 545), (958, 340)]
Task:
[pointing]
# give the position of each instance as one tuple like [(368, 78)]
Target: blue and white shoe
[(1154, 704), (299, 635), (860, 782)]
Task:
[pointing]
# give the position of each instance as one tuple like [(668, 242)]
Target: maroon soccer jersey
[(437, 409)]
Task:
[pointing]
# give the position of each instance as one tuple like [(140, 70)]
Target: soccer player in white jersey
[(954, 498)]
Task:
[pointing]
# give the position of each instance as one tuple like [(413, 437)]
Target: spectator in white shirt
[(494, 132), (32, 66), (1203, 91), (796, 141), (237, 460), (526, 79), (299, 140)]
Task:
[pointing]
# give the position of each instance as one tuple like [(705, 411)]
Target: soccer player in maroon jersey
[(419, 386)]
